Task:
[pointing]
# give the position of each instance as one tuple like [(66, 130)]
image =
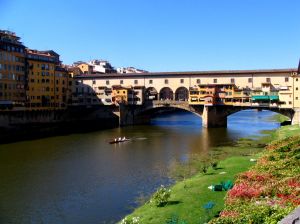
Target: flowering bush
[(245, 191), (270, 190), (255, 176), (252, 213), (133, 220), (231, 214), (161, 196)]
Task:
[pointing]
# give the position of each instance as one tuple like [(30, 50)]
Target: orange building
[(12, 71), (47, 80)]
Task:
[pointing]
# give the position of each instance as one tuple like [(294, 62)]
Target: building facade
[(47, 80), (278, 87), (12, 71)]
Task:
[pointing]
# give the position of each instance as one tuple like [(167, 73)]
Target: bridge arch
[(151, 93), (182, 94), (166, 93), (167, 106), (285, 112)]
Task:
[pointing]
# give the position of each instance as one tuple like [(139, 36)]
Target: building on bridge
[(214, 95), (217, 87)]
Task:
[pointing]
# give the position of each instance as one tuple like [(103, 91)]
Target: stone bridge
[(212, 116)]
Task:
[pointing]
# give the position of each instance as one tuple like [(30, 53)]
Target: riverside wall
[(25, 125)]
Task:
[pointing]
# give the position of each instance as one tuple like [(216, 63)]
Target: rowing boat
[(119, 141)]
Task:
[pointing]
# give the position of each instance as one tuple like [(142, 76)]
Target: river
[(80, 178)]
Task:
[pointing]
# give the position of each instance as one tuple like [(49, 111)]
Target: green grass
[(188, 197), (279, 118), (286, 131)]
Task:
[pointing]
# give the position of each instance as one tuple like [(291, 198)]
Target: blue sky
[(162, 35)]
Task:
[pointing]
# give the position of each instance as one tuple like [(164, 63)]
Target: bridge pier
[(296, 116), (214, 116), (130, 115)]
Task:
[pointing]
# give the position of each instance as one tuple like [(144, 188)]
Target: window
[(297, 80), (268, 79), (296, 98), (296, 88), (232, 81), (286, 79), (249, 80), (166, 81), (150, 81), (181, 80), (215, 80), (94, 82), (121, 82), (107, 82), (135, 82), (198, 81)]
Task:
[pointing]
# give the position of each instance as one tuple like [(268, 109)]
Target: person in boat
[(124, 138), (120, 139), (115, 140)]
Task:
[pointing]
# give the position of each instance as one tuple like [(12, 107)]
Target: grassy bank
[(190, 194)]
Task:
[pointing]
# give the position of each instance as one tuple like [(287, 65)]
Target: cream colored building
[(174, 85)]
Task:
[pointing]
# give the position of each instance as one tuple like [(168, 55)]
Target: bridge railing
[(170, 102), (186, 104)]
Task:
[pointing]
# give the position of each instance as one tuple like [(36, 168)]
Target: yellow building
[(12, 71), (242, 97), (124, 95), (85, 68), (212, 94), (47, 81), (296, 90), (62, 87)]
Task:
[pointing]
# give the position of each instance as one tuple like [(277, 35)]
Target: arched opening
[(182, 94), (166, 94), (257, 120), (151, 94)]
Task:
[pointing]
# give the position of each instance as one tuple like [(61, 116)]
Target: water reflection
[(82, 179)]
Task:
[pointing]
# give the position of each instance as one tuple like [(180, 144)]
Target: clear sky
[(161, 35)]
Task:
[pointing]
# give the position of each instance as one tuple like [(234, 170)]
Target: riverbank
[(28, 125), (269, 190), (191, 201)]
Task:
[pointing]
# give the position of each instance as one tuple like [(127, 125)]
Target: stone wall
[(22, 125)]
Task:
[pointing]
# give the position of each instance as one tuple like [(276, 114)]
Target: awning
[(274, 97), (261, 97), (266, 97)]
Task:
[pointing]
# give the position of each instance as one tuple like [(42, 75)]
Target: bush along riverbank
[(264, 194), (269, 190)]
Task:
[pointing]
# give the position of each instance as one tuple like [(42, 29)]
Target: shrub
[(161, 196), (133, 220), (244, 190), (204, 168), (175, 220)]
